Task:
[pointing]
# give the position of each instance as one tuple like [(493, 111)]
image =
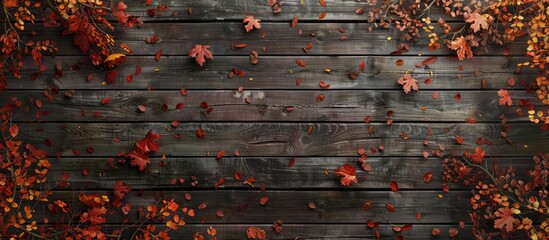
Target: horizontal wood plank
[(292, 206), (380, 72), (312, 231), (284, 106), (274, 172), (280, 39), (286, 139), (340, 10)]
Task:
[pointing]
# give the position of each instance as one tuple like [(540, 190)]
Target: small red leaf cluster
[(139, 157)]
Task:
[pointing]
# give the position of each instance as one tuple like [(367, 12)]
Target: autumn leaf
[(201, 53), (347, 174), (115, 59), (139, 158), (505, 220), (504, 98), (479, 155), (251, 23), (149, 142), (10, 3), (408, 83), (119, 12), (14, 130), (394, 186), (121, 189), (95, 216), (256, 233), (463, 49), (428, 61), (477, 21)]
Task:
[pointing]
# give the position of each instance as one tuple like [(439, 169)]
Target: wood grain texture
[(287, 139), (179, 39), (292, 206), (219, 10), (280, 72), (314, 231), (282, 106), (274, 172)]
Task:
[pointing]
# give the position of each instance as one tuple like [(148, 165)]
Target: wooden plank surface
[(236, 10), (292, 206), (280, 72), (281, 39), (286, 139), (282, 106), (314, 231), (274, 172)]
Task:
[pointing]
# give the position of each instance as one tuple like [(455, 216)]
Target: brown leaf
[(429, 61), (300, 62)]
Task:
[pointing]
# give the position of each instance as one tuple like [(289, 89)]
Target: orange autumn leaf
[(10, 3), (201, 53), (347, 174), (505, 220), (115, 59), (408, 83), (504, 99), (256, 233), (461, 47), (251, 22), (478, 156), (477, 21)]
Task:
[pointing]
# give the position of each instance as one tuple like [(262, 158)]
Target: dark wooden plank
[(179, 38), (287, 139), (243, 207), (311, 231), (340, 10), (307, 172), (278, 73), (337, 106)]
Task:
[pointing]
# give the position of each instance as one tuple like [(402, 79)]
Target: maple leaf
[(347, 174), (505, 220), (139, 158), (477, 21), (256, 233), (462, 48), (201, 52), (95, 216), (478, 156), (408, 83), (504, 98), (92, 200), (149, 142), (121, 189), (119, 11), (251, 23)]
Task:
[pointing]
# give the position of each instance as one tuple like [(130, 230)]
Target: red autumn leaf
[(272, 3), (157, 55), (251, 23), (263, 200), (14, 130), (427, 177), (312, 205), (408, 83), (121, 189), (139, 158), (149, 142), (478, 156), (220, 154), (119, 12), (141, 108), (505, 220), (322, 3), (219, 213), (291, 162), (361, 66), (504, 98), (390, 207), (201, 53), (477, 21), (394, 186), (300, 62), (429, 61), (237, 175), (462, 48), (294, 21), (372, 224), (347, 174), (322, 15), (105, 100), (137, 70), (148, 2), (95, 216), (256, 233), (199, 132)]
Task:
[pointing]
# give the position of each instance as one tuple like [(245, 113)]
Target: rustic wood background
[(266, 134)]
